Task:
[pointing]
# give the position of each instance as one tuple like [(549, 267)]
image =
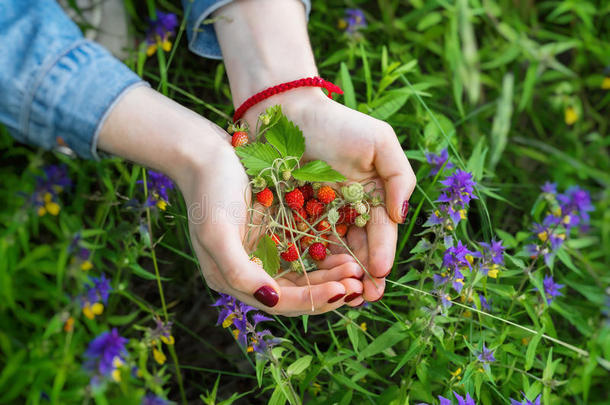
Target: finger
[(245, 278), (335, 260), (348, 270), (373, 289), (394, 169), (382, 234), (298, 300), (354, 292)]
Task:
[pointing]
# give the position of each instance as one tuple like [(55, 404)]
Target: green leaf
[(349, 96), (299, 365), (389, 105), (267, 252), (531, 350), (145, 274), (256, 157), (384, 341), (287, 138), (317, 171)]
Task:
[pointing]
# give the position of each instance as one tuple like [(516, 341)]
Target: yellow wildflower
[(159, 356), (570, 115)]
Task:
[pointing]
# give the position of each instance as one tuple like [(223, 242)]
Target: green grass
[(490, 81)]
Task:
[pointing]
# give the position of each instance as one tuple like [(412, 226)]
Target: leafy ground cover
[(500, 285)]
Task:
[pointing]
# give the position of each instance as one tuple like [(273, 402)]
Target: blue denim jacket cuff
[(202, 37), (72, 96)]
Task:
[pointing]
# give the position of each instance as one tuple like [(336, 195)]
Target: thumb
[(399, 180), (245, 278)]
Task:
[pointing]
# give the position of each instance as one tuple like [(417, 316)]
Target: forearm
[(264, 43), (152, 130)]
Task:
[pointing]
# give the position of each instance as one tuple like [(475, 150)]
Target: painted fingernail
[(405, 210), (336, 298), (267, 296), (356, 277), (352, 296), (379, 299)]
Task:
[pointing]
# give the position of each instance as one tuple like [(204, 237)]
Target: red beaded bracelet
[(280, 88)]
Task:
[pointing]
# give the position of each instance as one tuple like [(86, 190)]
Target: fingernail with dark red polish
[(336, 298), (267, 296), (356, 277), (378, 299), (352, 296), (405, 210)]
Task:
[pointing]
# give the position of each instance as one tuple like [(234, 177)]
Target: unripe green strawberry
[(286, 175), (360, 221), (265, 197), (317, 251), (294, 199), (360, 207)]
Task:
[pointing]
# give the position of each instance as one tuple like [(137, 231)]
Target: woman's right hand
[(154, 131)]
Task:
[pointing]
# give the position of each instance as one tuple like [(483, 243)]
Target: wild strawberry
[(360, 221), (291, 254), (239, 138), (341, 229), (360, 207), (299, 214), (326, 194), (294, 199), (347, 215), (275, 239), (314, 208), (317, 251), (257, 261), (307, 191), (302, 226), (306, 241), (323, 226), (265, 197)]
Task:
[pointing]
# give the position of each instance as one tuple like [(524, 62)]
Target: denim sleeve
[(56, 88), (202, 37)]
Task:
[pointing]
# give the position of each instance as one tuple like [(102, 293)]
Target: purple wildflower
[(105, 353), (158, 184), (99, 291), (549, 188), (486, 355), (162, 28), (446, 300), (354, 20), (551, 289), (54, 181), (437, 161), (575, 206), (486, 305), (456, 257), (526, 401), (152, 399), (461, 400), (55, 176), (458, 189), (234, 312)]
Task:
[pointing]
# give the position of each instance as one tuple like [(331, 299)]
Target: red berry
[(275, 238), (299, 214), (326, 194), (317, 251), (341, 229), (239, 138), (291, 254), (324, 225), (314, 208), (307, 191), (295, 199), (265, 197), (347, 214), (306, 241)]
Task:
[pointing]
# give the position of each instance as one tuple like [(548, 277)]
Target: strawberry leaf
[(287, 138), (256, 157), (317, 170), (268, 253)]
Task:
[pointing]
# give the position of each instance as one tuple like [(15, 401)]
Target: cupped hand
[(363, 149), (154, 131)]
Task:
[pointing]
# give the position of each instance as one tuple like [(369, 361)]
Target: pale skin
[(198, 156)]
